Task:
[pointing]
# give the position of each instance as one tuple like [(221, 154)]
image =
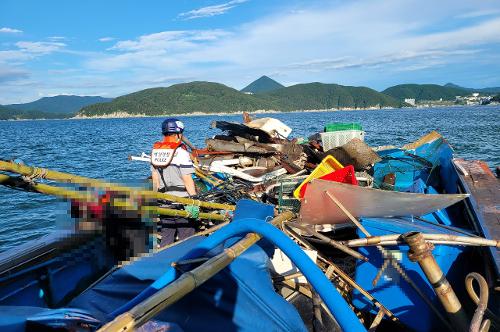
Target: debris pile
[(257, 159)]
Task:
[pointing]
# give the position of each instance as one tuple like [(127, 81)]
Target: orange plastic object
[(327, 166)]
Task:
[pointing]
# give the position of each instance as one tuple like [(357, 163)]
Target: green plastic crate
[(339, 126)]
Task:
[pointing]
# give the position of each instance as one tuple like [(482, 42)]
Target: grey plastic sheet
[(318, 208)]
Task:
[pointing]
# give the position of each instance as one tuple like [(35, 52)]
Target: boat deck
[(484, 187)]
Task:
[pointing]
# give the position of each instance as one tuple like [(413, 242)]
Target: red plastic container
[(343, 175)]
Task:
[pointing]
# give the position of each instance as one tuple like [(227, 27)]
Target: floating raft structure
[(296, 236)]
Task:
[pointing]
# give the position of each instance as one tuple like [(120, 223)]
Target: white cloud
[(14, 56), (106, 39), (402, 57), (8, 74), (210, 11), (479, 13), (169, 40), (157, 50), (39, 47), (310, 44), (9, 30), (56, 38)]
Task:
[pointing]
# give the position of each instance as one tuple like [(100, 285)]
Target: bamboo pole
[(421, 252), (333, 243), (86, 197), (7, 180), (36, 172), (186, 283), (396, 239)]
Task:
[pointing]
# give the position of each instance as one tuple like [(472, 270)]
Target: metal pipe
[(37, 172), (421, 252), (333, 243), (394, 262), (477, 324), (396, 239)]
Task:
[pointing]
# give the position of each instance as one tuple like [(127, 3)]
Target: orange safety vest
[(164, 153)]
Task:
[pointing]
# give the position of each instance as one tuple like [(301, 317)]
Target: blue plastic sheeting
[(251, 209), (431, 163), (439, 216), (440, 153), (244, 209), (407, 169), (239, 298), (392, 290)]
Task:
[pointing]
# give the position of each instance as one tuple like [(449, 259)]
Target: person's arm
[(156, 179), (189, 184)]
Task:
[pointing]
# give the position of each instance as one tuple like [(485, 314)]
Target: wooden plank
[(484, 187)]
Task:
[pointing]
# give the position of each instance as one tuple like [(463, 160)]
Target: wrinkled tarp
[(239, 298)]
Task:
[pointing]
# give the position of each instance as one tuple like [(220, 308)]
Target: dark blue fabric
[(239, 298), (13, 318)]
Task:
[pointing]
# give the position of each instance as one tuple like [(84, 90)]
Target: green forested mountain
[(58, 104), (424, 92), (496, 98), (191, 97), (262, 84), (210, 97), (326, 96), (7, 113), (489, 90)]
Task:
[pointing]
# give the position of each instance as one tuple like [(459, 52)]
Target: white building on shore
[(410, 101)]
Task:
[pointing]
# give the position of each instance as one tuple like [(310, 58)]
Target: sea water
[(99, 148)]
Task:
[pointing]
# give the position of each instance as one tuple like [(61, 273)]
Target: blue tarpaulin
[(239, 298)]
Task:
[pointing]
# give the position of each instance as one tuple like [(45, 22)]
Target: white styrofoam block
[(281, 264)]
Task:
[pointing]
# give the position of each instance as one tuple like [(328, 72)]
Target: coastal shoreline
[(120, 115), (124, 115)]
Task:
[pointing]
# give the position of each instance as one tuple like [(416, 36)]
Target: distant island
[(57, 107), (264, 94), (212, 98)]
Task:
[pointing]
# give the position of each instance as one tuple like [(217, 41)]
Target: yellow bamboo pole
[(48, 190), (36, 172), (186, 283), (86, 197)]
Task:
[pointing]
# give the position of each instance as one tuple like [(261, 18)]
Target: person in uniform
[(171, 170)]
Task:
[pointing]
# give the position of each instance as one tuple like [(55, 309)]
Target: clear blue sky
[(115, 47)]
